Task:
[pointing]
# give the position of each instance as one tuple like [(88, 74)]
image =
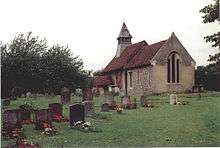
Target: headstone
[(42, 116), (105, 107), (173, 99), (28, 94), (127, 102), (88, 108), (11, 119), (77, 113), (65, 95), (25, 114), (143, 100), (56, 109), (6, 102), (111, 102), (87, 94)]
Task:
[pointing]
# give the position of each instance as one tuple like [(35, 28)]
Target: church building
[(142, 68)]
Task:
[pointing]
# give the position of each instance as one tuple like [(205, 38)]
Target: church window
[(130, 79), (173, 68), (138, 77)]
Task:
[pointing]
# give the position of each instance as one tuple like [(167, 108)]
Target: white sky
[(90, 27)]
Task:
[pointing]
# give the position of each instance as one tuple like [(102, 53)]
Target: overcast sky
[(90, 27)]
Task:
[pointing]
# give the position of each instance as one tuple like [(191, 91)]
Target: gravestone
[(143, 101), (65, 95), (105, 107), (111, 102), (56, 109), (25, 114), (5, 102), (11, 119), (173, 99), (126, 102), (87, 94), (88, 108), (77, 113), (42, 116)]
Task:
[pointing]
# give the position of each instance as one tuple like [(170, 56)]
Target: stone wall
[(144, 85)]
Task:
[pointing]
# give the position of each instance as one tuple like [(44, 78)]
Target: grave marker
[(77, 113)]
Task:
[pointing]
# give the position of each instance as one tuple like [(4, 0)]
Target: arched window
[(173, 68)]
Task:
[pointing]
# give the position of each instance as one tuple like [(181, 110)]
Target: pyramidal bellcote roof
[(124, 32)]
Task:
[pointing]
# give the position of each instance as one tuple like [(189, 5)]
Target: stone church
[(142, 68)]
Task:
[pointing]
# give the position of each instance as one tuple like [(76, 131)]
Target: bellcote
[(124, 40)]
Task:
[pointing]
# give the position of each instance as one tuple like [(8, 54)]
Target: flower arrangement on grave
[(59, 118), (24, 143), (182, 102), (84, 126), (148, 104), (48, 129), (28, 121), (12, 133), (119, 109)]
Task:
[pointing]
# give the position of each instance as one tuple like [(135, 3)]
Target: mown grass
[(196, 124)]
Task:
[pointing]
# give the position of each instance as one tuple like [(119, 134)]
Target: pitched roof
[(135, 55), (124, 32), (129, 52), (102, 81), (144, 56)]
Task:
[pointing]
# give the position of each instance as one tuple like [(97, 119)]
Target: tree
[(27, 62), (210, 15)]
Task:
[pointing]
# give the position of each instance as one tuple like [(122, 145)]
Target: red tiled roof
[(102, 81), (125, 57), (144, 56)]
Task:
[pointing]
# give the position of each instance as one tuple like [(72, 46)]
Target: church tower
[(124, 40)]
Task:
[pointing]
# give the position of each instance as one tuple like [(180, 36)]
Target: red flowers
[(59, 118)]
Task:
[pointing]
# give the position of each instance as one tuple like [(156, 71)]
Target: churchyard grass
[(196, 124)]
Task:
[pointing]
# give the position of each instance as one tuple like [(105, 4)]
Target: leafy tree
[(210, 15), (27, 62)]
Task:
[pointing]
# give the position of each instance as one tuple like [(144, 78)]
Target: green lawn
[(196, 124)]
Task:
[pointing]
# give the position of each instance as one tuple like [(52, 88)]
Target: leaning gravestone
[(42, 116), (56, 109), (77, 113), (88, 108), (105, 107), (173, 99), (11, 119), (65, 95)]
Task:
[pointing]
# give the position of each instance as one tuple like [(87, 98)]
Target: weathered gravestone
[(111, 102), (173, 99), (25, 114), (11, 119), (127, 102), (77, 113), (65, 95), (87, 94), (105, 107), (143, 101), (5, 102), (56, 109), (88, 108), (42, 116)]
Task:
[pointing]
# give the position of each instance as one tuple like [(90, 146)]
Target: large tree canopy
[(29, 63), (210, 15)]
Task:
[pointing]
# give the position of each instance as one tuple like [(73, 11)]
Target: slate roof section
[(125, 57), (144, 56), (135, 55)]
